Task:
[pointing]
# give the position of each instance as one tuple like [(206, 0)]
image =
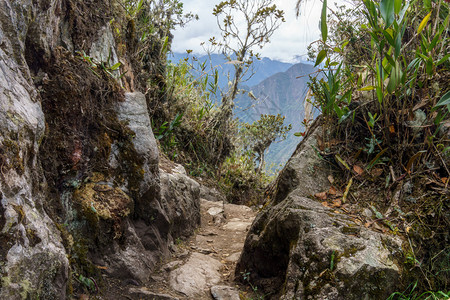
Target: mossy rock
[(102, 202)]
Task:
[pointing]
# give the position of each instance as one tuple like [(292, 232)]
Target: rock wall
[(81, 188), (33, 261), (299, 249)]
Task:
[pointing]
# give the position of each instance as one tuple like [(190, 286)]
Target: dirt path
[(203, 266)]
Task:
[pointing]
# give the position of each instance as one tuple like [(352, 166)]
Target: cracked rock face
[(181, 201), (298, 249), (34, 37), (33, 261)]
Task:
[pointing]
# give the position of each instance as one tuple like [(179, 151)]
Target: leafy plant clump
[(384, 94), (196, 129)]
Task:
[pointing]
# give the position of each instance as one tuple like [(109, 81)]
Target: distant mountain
[(263, 68), (282, 93), (280, 88)]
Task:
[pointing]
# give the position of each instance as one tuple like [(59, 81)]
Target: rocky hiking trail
[(202, 266)]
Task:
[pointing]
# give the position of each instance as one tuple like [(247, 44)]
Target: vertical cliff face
[(32, 257), (80, 180)]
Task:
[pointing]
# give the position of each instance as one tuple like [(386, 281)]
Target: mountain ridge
[(283, 93), (263, 68)]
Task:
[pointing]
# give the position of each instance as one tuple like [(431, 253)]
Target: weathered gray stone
[(33, 262), (144, 294), (299, 249), (172, 265), (168, 203), (198, 274), (145, 239), (305, 171), (180, 200), (132, 260), (223, 292), (214, 211), (236, 224), (211, 194), (134, 112), (294, 243), (103, 50), (233, 257)]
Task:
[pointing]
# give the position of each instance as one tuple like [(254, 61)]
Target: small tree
[(260, 20), (259, 135)]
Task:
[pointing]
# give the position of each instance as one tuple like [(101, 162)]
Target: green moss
[(101, 202), (15, 118), (20, 213), (66, 236), (10, 156), (25, 286), (351, 229)]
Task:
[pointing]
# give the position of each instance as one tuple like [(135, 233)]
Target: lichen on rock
[(299, 249)]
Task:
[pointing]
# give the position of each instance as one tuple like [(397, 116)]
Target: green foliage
[(193, 135), (383, 88), (240, 180), (333, 95), (156, 16), (323, 22), (259, 135), (167, 129), (261, 19), (411, 294), (246, 277), (105, 66), (204, 138), (87, 283), (397, 62)]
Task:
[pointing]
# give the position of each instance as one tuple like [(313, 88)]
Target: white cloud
[(289, 41)]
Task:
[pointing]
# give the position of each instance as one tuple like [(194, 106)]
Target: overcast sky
[(289, 41)]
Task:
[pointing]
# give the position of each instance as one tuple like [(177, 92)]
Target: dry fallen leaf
[(331, 179), (392, 129), (337, 202), (321, 196), (326, 204), (320, 144), (377, 172), (358, 170), (444, 180), (332, 191)]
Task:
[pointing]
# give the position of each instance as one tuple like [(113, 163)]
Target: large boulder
[(180, 198), (299, 249), (305, 171), (167, 203), (33, 262), (133, 112)]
